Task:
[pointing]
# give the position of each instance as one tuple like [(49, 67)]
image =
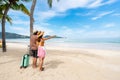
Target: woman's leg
[(41, 64)]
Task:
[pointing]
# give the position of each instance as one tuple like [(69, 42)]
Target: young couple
[(37, 47)]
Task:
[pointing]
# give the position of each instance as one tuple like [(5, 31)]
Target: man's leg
[(34, 65), (34, 62)]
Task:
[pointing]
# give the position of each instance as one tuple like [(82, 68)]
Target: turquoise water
[(97, 40), (65, 40), (110, 44)]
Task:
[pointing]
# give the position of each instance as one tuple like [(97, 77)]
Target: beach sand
[(61, 64)]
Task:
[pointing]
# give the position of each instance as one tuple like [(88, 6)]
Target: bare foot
[(42, 69)]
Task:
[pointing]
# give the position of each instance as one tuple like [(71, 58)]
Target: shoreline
[(97, 46), (15, 46), (94, 51)]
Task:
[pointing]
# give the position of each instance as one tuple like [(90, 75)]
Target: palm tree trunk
[(3, 28), (31, 16)]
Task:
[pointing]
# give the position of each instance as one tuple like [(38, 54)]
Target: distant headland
[(15, 36)]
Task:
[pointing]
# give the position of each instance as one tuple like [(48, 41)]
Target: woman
[(41, 50)]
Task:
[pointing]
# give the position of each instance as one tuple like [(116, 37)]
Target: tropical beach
[(85, 42), (61, 64)]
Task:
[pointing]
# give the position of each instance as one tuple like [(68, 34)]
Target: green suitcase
[(25, 61)]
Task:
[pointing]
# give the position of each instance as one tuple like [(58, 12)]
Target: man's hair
[(35, 33)]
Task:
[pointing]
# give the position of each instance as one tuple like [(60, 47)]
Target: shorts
[(34, 53)]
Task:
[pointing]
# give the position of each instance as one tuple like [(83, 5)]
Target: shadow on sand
[(7, 62), (53, 64)]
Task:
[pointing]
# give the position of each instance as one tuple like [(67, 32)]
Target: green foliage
[(2, 8), (1, 16), (26, 0), (9, 19), (50, 3), (24, 9), (15, 5)]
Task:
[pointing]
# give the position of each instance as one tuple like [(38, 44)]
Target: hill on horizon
[(13, 35)]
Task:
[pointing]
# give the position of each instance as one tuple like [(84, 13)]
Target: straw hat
[(39, 32), (42, 33)]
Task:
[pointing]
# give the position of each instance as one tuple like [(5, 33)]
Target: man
[(0, 43), (34, 47)]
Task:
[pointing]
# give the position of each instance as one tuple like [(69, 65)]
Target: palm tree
[(6, 5), (32, 11), (31, 16)]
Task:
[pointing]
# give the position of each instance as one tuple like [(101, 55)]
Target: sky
[(71, 19)]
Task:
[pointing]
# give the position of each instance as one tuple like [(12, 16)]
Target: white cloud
[(101, 15), (21, 22), (17, 28), (45, 15), (109, 25), (116, 14), (97, 3), (20, 30), (45, 29), (102, 34), (86, 33), (41, 16), (64, 5), (65, 31), (60, 8), (70, 33)]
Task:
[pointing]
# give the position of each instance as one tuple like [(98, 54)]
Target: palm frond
[(26, 0), (1, 15), (3, 7), (21, 7), (15, 6), (1, 2), (50, 3), (9, 19), (24, 9)]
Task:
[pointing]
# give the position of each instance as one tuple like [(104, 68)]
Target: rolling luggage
[(25, 61)]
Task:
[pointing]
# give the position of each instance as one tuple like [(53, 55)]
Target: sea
[(98, 43)]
